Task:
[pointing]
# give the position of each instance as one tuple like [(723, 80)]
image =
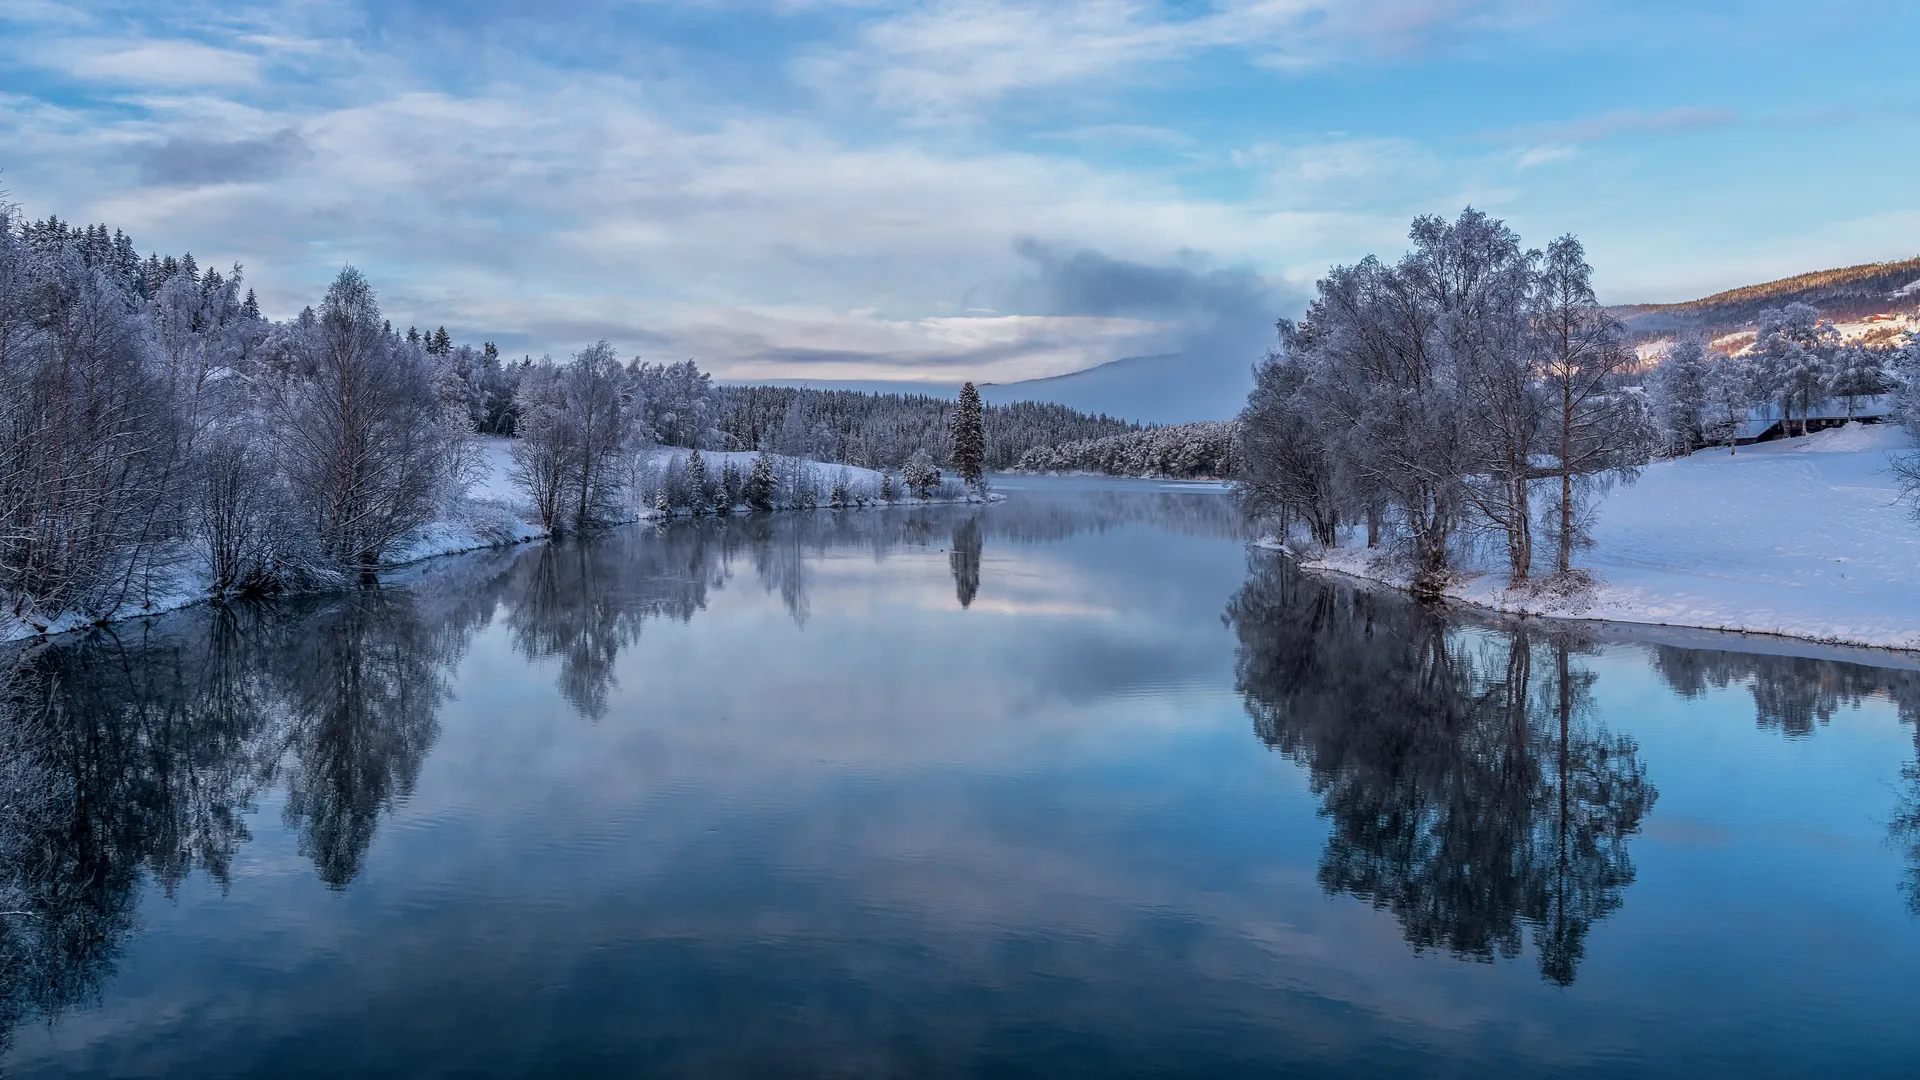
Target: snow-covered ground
[(493, 512), (1802, 537)]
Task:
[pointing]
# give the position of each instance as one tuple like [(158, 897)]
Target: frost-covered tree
[(544, 452), (1793, 359), (1289, 446), (360, 432), (1432, 395), (920, 475), (677, 403), (887, 494), (1185, 451), (1858, 372), (1595, 431), (598, 401), (86, 432), (731, 484), (1679, 389), (761, 487), (969, 437), (1732, 385), (697, 495)]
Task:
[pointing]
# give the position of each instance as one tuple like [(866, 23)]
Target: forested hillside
[(882, 431), (1849, 293)]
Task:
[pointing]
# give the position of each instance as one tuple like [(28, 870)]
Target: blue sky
[(990, 189)]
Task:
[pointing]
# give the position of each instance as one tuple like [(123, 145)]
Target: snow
[(492, 513), (1801, 537)]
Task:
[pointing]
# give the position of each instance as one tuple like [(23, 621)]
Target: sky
[(982, 189)]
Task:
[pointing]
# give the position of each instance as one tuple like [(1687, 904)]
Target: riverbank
[(1803, 538), (492, 513)]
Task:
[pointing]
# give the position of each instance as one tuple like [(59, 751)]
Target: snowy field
[(495, 511), (1801, 537)]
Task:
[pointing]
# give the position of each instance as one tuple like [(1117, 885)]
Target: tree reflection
[(363, 682), (582, 603), (1791, 694), (964, 560), (137, 755), (1469, 788), (1795, 695)]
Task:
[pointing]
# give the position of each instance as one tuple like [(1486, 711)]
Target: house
[(1765, 422)]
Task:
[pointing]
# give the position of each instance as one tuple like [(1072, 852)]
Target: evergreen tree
[(730, 485), (697, 482), (442, 344), (969, 437), (837, 495), (761, 486), (250, 308), (887, 493)]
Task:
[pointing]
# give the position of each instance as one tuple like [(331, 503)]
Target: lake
[(1071, 784)]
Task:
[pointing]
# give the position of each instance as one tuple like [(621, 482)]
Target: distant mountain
[(1170, 389), (863, 386), (1846, 294)]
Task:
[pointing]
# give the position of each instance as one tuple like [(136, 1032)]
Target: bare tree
[(83, 430), (360, 430), (1593, 427)]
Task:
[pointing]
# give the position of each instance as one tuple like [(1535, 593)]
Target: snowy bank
[(493, 512), (1801, 537)]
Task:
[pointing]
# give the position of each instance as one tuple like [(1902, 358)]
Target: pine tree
[(761, 485), (697, 482), (442, 344), (886, 487), (969, 437), (837, 495), (250, 307), (730, 485), (413, 336)]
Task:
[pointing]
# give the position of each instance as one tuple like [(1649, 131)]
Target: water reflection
[(1791, 694), (1471, 790), (1465, 781), (139, 753), (964, 560)]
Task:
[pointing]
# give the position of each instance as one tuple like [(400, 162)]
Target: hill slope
[(1848, 293), (1171, 389)]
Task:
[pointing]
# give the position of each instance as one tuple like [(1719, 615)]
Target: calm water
[(1068, 785)]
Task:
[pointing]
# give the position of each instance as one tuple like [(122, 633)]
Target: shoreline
[(15, 633), (1518, 609)]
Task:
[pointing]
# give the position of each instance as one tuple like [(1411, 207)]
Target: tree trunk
[(1565, 560)]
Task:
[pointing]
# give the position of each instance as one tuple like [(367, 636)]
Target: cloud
[(1545, 154), (941, 61), (156, 63), (188, 161), (1224, 315)]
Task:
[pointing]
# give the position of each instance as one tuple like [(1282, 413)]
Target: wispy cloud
[(941, 60), (165, 63)]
